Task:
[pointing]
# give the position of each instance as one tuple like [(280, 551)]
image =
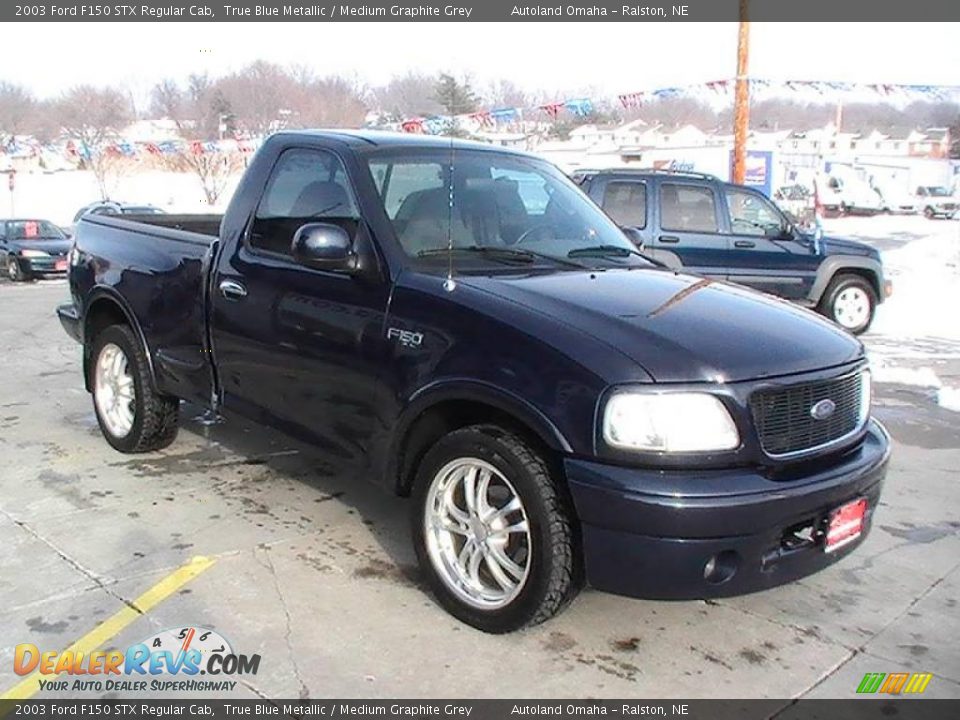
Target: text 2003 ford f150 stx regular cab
[(463, 324)]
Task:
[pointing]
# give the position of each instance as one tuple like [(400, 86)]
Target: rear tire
[(133, 416), (496, 569), (850, 301)]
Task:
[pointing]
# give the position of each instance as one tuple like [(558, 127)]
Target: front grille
[(785, 422)]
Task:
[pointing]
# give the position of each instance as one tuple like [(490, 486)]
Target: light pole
[(741, 107)]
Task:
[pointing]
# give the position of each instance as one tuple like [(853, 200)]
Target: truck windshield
[(938, 192), (510, 206)]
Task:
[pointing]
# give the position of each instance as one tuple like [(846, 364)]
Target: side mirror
[(325, 247), (634, 236)]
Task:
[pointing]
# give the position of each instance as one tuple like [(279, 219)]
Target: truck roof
[(385, 138), (642, 171)]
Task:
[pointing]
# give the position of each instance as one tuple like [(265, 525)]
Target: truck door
[(689, 231), (296, 346), (764, 254)]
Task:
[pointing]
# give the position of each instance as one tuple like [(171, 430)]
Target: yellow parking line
[(112, 627)]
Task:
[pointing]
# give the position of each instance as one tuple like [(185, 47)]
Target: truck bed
[(199, 229), (158, 265)]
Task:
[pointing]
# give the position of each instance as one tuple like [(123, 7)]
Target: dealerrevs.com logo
[(169, 661)]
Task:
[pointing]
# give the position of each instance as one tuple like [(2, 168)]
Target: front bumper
[(51, 265), (653, 534)]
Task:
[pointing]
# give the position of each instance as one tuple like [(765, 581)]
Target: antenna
[(450, 284)]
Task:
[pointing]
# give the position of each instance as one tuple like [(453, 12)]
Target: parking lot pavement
[(315, 573)]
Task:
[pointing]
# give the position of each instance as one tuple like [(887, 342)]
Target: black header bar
[(852, 11)]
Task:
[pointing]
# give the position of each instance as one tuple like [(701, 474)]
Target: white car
[(937, 201)]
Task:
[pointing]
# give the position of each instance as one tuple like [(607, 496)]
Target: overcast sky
[(556, 57)]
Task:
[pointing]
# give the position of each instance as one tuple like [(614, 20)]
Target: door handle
[(669, 239), (232, 290), (744, 243)]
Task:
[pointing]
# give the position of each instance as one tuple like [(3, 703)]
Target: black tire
[(14, 271), (929, 213), (838, 284), (555, 573), (155, 416)]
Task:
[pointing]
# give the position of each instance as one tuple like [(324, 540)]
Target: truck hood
[(845, 246), (680, 328)]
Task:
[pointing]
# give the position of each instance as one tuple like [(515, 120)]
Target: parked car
[(558, 407), (32, 248), (109, 207), (937, 201), (797, 203), (731, 232)]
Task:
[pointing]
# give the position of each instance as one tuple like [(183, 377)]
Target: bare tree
[(258, 95), (197, 111), (409, 95), (324, 101), (213, 168), (17, 110), (94, 117)]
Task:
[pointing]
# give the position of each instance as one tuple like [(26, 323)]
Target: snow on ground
[(58, 196), (915, 339)]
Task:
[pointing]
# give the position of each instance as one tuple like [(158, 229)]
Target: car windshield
[(33, 230), (938, 192), (493, 209)]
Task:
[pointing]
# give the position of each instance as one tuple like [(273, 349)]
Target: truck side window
[(626, 203), (752, 215), (688, 208), (305, 186)]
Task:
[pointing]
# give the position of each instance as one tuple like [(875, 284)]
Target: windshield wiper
[(605, 251), (501, 254)]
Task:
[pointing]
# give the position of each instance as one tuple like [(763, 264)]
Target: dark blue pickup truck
[(462, 324), (731, 232)]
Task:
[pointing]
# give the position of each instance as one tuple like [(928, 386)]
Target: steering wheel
[(530, 232)]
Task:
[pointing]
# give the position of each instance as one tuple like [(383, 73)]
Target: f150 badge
[(407, 338)]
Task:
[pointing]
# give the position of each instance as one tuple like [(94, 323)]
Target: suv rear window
[(626, 203), (688, 207)]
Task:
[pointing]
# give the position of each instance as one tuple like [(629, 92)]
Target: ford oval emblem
[(823, 409)]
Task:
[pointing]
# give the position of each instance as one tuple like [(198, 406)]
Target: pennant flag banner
[(580, 107), (75, 150), (506, 116)]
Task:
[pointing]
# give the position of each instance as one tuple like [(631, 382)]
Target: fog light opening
[(721, 567)]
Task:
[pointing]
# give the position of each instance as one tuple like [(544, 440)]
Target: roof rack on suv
[(641, 171)]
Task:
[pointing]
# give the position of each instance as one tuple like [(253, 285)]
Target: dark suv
[(732, 232)]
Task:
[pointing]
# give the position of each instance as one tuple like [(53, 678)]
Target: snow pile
[(919, 325)]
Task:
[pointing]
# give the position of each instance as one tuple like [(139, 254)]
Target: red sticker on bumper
[(846, 524)]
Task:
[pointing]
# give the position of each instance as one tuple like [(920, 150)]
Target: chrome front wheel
[(477, 533)]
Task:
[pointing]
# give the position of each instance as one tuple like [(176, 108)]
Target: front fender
[(450, 390), (838, 263)]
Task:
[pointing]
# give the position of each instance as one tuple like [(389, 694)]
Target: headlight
[(668, 422), (866, 397), (33, 253)]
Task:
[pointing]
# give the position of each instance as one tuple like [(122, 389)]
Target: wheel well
[(447, 416), (102, 314), (868, 275)]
